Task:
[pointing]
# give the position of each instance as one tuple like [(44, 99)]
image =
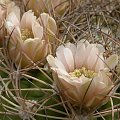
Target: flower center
[(26, 34), (83, 71)]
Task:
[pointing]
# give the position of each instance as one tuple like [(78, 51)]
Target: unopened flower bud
[(39, 6)]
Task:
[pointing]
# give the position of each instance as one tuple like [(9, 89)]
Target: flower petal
[(48, 23), (51, 61), (52, 25), (100, 86), (80, 56), (41, 51), (11, 7), (112, 61), (43, 19), (88, 50), (27, 20), (59, 64), (37, 30), (69, 59), (92, 58), (100, 48), (72, 47), (15, 30), (69, 90), (13, 19), (55, 63), (60, 55), (30, 46), (83, 41), (100, 63)]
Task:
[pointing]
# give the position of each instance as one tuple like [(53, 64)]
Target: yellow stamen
[(83, 71), (26, 34)]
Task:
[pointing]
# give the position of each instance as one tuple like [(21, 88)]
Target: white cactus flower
[(28, 43), (81, 73)]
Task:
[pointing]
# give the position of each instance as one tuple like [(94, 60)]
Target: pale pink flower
[(81, 73), (28, 43)]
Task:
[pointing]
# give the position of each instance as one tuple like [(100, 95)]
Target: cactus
[(31, 91)]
